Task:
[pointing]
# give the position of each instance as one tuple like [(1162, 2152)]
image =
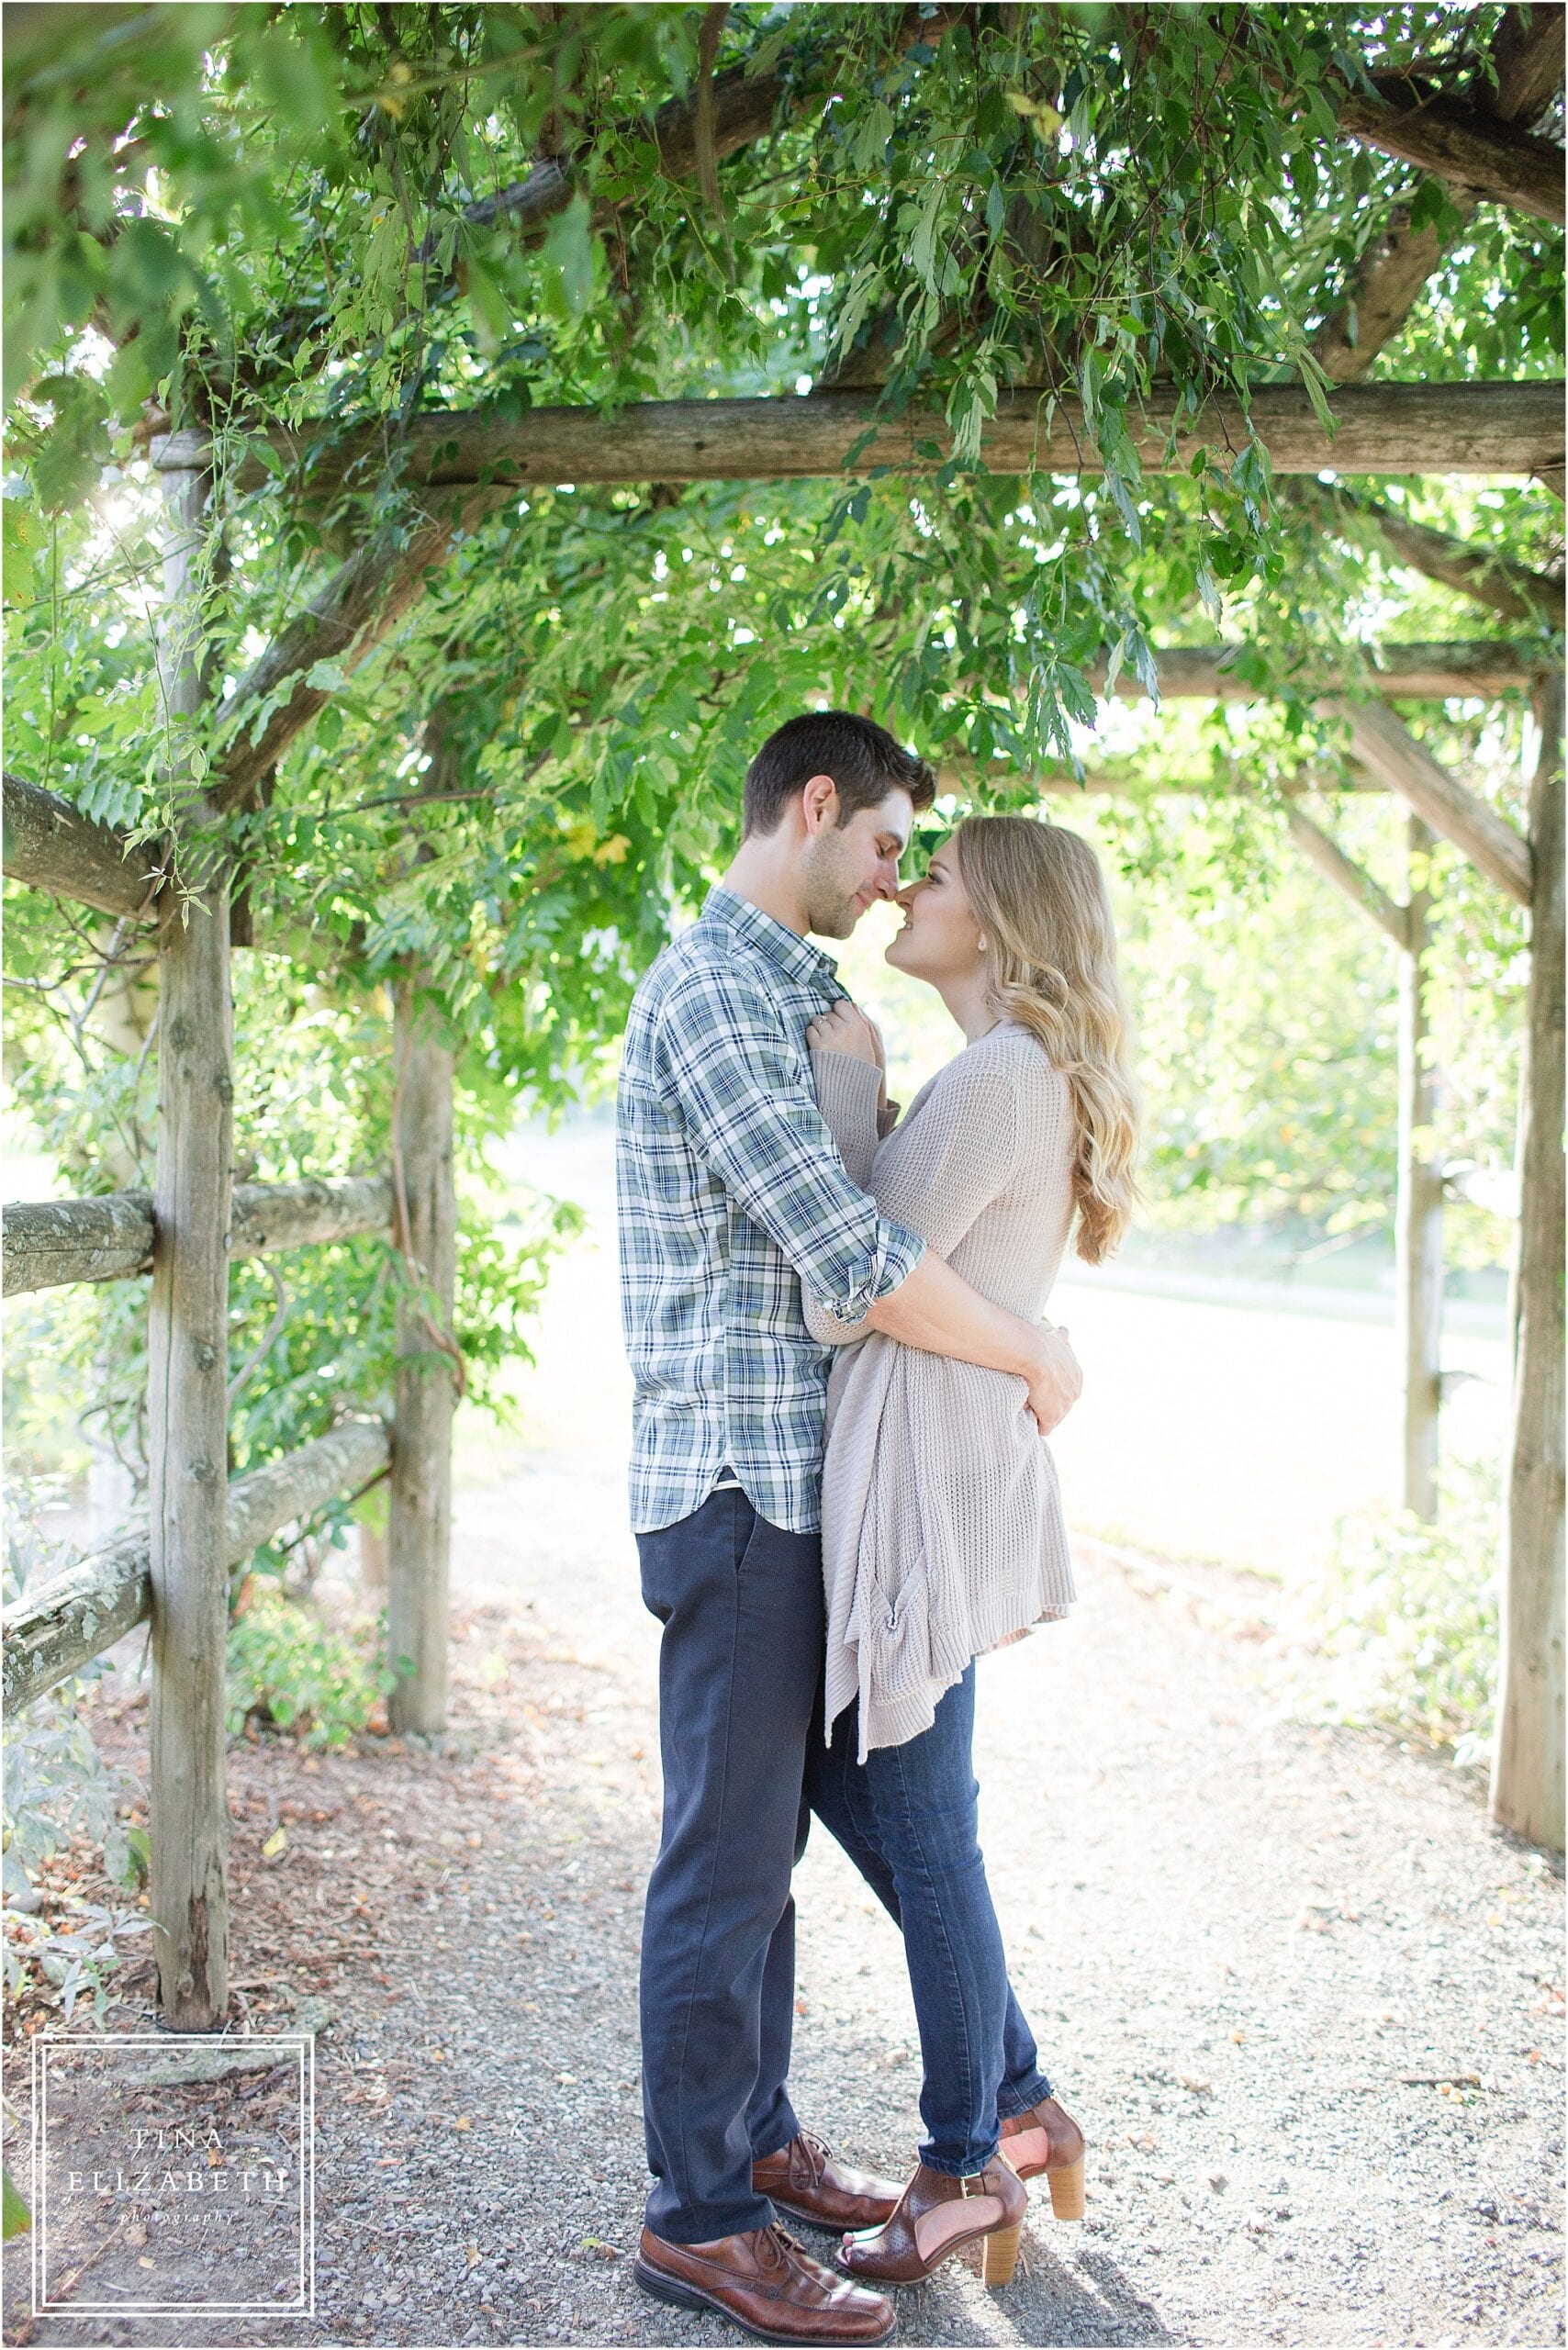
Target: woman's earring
[(981, 945)]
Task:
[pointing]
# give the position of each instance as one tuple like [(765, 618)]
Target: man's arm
[(934, 1308)]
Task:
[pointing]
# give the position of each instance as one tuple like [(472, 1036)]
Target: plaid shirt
[(730, 1193)]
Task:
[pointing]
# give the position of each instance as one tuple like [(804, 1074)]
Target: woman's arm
[(848, 1090)]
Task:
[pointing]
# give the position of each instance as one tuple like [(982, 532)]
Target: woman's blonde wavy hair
[(1040, 899)]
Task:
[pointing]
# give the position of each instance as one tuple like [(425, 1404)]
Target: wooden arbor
[(193, 1220), (176, 1576)]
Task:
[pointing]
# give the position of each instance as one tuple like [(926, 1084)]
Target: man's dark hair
[(862, 758)]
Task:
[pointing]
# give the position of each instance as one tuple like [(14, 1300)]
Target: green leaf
[(14, 2216), (568, 255), (69, 458), (294, 73), (1316, 382)]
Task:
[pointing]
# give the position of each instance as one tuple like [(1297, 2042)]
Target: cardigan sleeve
[(847, 1090), (941, 1170), (958, 1156)]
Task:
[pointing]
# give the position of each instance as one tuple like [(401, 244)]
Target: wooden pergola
[(457, 470)]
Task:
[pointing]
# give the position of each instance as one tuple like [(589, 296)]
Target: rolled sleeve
[(745, 1094)]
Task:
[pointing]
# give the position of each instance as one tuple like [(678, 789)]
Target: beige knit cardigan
[(941, 1521)]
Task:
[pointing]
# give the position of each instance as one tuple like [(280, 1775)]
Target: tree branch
[(738, 107), (1526, 54), (52, 846)]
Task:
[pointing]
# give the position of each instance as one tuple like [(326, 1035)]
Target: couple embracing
[(842, 1495)]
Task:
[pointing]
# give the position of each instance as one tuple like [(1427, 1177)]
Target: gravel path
[(1304, 2001)]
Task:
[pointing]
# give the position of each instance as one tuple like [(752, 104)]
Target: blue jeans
[(740, 1671), (908, 1820)]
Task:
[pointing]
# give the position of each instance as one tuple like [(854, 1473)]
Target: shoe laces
[(819, 2153), (793, 2253)]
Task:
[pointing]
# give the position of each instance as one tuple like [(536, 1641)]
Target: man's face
[(845, 866)]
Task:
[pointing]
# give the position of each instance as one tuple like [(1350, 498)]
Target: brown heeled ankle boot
[(1046, 2140), (938, 2215)]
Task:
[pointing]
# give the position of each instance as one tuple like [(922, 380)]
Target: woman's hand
[(846, 1029)]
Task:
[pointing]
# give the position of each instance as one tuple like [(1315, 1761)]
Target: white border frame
[(166, 2044)]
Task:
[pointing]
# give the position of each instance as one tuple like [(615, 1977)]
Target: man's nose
[(887, 880)]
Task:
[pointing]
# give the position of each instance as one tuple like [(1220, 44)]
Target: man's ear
[(819, 805)]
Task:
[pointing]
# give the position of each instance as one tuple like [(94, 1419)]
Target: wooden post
[(187, 1374), (1528, 1771), (1418, 1214), (425, 1228)]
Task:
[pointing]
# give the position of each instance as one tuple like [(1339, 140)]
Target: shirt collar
[(781, 944)]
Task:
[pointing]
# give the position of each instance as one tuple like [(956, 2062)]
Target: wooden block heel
[(1067, 2191), (999, 2255)]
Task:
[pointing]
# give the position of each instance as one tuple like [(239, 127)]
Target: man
[(731, 1195)]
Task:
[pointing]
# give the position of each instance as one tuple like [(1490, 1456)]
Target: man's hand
[(1056, 1382), (934, 1308)]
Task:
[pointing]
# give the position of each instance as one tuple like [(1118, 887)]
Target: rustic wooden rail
[(1485, 428), (175, 1574), (46, 1243), (52, 1631)]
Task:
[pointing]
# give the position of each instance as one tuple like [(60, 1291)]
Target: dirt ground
[(1305, 2002)]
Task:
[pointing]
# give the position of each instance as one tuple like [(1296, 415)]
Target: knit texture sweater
[(943, 1533)]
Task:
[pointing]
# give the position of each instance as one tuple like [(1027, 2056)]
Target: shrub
[(58, 1794), (1405, 1626), (287, 1667)]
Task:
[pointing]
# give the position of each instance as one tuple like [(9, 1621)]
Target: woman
[(942, 1524)]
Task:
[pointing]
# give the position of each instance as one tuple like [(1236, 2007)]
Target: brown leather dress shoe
[(1049, 2141), (938, 2215), (806, 2180), (764, 2283)]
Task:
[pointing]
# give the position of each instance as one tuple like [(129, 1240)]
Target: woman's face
[(941, 938)]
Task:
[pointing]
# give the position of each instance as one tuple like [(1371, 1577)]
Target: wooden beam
[(418, 1539), (1350, 879), (1526, 53), (1388, 279), (46, 1243), (1382, 742), (1527, 1769), (1482, 670), (187, 1371), (1526, 58), (343, 623), (52, 846), (1476, 153), (1381, 428), (52, 1631), (1417, 1216), (1485, 574), (91, 864)]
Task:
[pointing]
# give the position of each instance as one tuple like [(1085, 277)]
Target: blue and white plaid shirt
[(730, 1193)]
